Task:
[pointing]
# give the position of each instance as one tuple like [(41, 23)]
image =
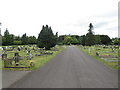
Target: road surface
[(71, 69)]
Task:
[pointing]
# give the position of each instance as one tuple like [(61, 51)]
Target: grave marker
[(29, 57), (16, 56)]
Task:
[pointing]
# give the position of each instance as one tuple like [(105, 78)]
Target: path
[(71, 69)]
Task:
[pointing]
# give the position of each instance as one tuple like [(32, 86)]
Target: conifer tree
[(46, 38), (90, 37)]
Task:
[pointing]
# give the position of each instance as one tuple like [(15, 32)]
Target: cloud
[(101, 24), (64, 16)]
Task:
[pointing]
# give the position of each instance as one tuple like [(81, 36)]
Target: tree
[(97, 39), (76, 38), (8, 39), (56, 37), (70, 40), (17, 40), (46, 38), (116, 41), (74, 41), (105, 39), (90, 37), (82, 40), (24, 39), (67, 40), (32, 40)]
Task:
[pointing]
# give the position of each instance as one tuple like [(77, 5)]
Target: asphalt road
[(71, 69)]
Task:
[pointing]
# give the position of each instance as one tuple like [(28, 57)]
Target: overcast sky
[(64, 16)]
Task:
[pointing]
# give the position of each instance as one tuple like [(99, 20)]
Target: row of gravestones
[(97, 53), (10, 48), (16, 58)]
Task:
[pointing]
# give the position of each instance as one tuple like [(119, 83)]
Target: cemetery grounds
[(40, 56), (108, 55)]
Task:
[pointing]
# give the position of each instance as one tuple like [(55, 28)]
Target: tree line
[(10, 39), (89, 39), (47, 39)]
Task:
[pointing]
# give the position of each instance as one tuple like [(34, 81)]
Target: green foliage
[(8, 39), (97, 39), (90, 37), (116, 41), (17, 38), (46, 38), (82, 40), (32, 40), (24, 39), (17, 42), (70, 40), (105, 39), (67, 40)]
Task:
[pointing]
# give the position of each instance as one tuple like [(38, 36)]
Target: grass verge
[(109, 64)]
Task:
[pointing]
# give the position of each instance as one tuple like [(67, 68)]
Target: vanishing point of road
[(72, 68)]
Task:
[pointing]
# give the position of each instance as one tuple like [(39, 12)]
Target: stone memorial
[(7, 62), (16, 57), (112, 49), (97, 54), (4, 56), (29, 57), (18, 49)]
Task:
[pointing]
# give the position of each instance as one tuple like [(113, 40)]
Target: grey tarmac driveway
[(71, 69)]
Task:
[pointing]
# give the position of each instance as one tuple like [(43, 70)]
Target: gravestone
[(28, 52), (4, 48), (16, 57), (29, 57), (112, 49), (89, 50), (18, 49), (97, 54), (41, 51), (7, 62), (4, 56)]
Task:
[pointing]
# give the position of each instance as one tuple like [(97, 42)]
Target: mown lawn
[(37, 60), (102, 52)]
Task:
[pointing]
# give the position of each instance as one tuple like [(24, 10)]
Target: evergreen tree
[(46, 38), (97, 39), (90, 37), (24, 39), (82, 40), (8, 38), (105, 39), (32, 40)]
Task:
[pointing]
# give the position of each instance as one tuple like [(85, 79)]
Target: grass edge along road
[(39, 61), (109, 64)]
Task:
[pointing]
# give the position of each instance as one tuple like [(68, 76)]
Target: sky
[(64, 16)]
